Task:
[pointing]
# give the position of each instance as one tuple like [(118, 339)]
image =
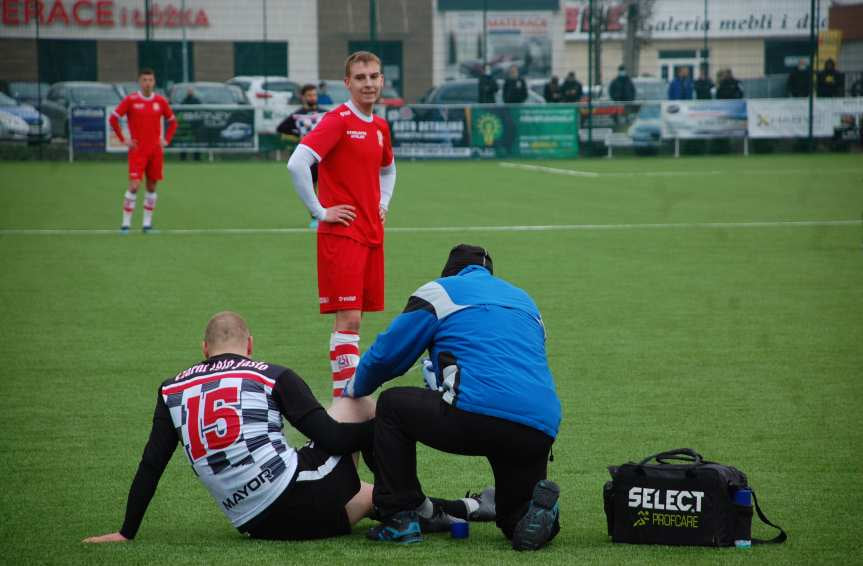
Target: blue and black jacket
[(486, 341)]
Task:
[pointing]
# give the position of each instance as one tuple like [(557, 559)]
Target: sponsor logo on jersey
[(249, 487), (345, 113), (138, 106), (323, 300), (357, 134), (380, 138)]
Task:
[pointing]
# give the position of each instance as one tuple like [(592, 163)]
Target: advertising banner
[(700, 119), (789, 117), (87, 128), (524, 131), (429, 131), (215, 128)]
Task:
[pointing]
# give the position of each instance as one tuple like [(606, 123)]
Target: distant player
[(357, 177), (145, 110), (303, 121)]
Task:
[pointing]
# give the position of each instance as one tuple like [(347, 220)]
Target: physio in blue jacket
[(489, 393)]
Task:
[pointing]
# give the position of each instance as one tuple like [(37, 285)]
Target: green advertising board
[(215, 128), (524, 131)]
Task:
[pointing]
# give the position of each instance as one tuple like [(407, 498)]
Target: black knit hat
[(463, 255)]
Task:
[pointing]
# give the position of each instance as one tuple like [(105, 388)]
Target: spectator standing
[(514, 87), (571, 88), (703, 86), (728, 87), (324, 99), (800, 80), (552, 91), (487, 86), (831, 83), (681, 87), (621, 88), (191, 98)]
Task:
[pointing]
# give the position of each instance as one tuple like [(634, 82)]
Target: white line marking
[(694, 173), (419, 229), (553, 170)]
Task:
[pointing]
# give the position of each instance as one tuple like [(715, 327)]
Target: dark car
[(26, 92), (208, 93), (466, 91), (128, 87), (63, 95)]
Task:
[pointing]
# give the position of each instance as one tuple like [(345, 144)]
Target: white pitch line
[(596, 174), (553, 170), (420, 229)]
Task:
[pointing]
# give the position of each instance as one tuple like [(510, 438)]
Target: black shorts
[(313, 506)]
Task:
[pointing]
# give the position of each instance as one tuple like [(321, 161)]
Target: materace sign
[(684, 19)]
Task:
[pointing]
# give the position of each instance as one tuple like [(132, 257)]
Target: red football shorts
[(146, 160), (350, 275)]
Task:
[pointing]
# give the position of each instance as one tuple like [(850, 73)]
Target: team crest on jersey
[(380, 138), (156, 106)]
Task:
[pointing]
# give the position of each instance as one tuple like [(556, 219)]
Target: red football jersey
[(145, 118), (351, 151)]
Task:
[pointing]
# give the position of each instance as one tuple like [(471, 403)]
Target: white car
[(268, 91), (236, 131), (13, 127)]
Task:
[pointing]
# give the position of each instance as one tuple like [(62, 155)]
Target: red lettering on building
[(105, 13), (78, 7), (58, 12)]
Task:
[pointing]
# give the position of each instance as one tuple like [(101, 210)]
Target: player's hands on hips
[(341, 214), (130, 143), (111, 537), (162, 142), (383, 212)]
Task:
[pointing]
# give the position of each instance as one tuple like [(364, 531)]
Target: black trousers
[(518, 454)]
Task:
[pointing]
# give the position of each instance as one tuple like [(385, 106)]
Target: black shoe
[(439, 522), (487, 510), (403, 528), (540, 524)]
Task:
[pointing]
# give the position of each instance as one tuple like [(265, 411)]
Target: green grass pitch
[(682, 307)]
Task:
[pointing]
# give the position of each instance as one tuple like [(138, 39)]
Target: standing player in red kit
[(145, 110), (356, 178)]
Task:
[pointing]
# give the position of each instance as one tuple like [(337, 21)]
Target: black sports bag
[(681, 499)]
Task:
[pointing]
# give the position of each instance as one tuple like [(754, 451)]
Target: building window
[(67, 60), (677, 54), (261, 58), (166, 60)]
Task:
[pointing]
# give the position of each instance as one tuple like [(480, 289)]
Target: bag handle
[(778, 539), (685, 454)]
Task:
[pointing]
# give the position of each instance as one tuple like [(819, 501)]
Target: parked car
[(12, 127), (26, 92), (337, 91), (237, 131), (268, 90), (38, 125), (646, 130), (390, 98), (78, 93), (466, 91), (128, 87), (208, 93)]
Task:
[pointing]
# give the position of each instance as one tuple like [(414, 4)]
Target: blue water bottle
[(743, 501)]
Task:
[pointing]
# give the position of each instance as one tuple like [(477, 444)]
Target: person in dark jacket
[(552, 91), (681, 87), (487, 86), (728, 87), (514, 87), (799, 80), (703, 87), (621, 88), (572, 89), (831, 83), (489, 393)]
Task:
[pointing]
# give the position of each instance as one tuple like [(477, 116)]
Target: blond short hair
[(226, 328), (360, 57)]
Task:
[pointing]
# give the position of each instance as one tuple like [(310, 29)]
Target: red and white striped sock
[(149, 207), (344, 357), (128, 208)]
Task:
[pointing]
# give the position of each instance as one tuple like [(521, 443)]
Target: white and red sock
[(149, 207), (344, 357), (128, 208)]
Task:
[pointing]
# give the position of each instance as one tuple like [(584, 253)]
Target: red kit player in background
[(356, 178), (145, 110)]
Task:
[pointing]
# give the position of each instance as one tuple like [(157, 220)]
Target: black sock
[(453, 507)]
